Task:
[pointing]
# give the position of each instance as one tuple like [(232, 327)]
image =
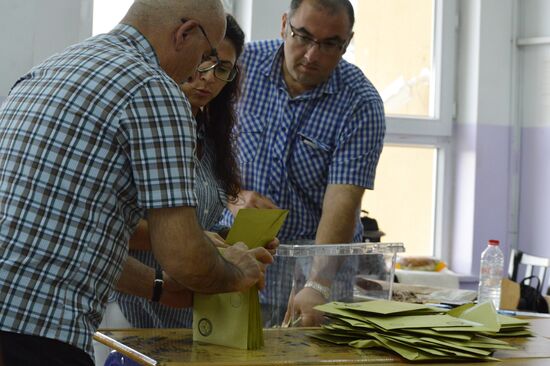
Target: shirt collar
[(137, 40), (273, 70)]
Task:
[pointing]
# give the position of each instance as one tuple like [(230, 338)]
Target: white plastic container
[(357, 272)]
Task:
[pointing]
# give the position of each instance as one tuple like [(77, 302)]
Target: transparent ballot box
[(336, 272)]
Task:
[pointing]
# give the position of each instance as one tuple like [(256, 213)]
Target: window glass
[(403, 199), (393, 45)]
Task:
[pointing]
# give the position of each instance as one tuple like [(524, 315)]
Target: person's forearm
[(140, 239), (211, 273), (332, 230), (337, 225), (187, 255), (136, 279)]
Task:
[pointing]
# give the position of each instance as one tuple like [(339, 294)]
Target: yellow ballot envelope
[(234, 319)]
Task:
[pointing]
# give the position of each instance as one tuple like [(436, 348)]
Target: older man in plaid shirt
[(91, 140)]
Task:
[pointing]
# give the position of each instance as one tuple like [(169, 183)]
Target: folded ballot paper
[(421, 333), (234, 319)]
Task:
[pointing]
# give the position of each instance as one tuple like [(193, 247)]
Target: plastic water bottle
[(490, 274)]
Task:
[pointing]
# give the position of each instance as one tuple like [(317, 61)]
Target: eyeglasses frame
[(206, 69), (312, 41)]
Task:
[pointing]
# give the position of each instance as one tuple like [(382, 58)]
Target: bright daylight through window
[(394, 46)]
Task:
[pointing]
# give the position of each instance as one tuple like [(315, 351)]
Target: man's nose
[(313, 52)]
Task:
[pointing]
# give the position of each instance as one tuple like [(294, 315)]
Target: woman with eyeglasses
[(212, 93)]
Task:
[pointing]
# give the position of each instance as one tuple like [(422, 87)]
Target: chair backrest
[(533, 265), (513, 265)]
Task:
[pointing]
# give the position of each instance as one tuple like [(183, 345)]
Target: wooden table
[(292, 346)]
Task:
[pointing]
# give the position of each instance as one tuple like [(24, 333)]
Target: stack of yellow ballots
[(234, 319), (418, 332)]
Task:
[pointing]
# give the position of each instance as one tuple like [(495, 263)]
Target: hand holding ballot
[(234, 319), (252, 264)]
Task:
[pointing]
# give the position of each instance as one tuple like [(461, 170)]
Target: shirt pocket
[(249, 133), (309, 162)]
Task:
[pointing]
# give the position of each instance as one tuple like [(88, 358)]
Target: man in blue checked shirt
[(310, 132), (92, 140)]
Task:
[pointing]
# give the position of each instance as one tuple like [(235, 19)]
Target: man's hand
[(272, 246), (341, 206), (216, 239), (301, 307), (250, 199), (251, 262)]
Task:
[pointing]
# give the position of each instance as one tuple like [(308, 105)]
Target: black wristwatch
[(157, 286)]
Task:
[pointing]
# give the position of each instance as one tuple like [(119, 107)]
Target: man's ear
[(182, 33), (283, 25), (347, 43)]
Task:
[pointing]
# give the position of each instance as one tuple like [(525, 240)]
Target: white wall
[(260, 19), (483, 131), (534, 114), (32, 30)]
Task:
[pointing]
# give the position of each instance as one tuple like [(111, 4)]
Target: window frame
[(442, 85), (437, 131)]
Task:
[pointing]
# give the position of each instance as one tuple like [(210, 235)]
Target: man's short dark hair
[(333, 5)]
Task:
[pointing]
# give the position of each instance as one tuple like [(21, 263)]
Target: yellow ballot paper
[(234, 319), (419, 332)]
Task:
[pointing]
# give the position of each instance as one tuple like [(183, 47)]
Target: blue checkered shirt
[(290, 149), (89, 140)]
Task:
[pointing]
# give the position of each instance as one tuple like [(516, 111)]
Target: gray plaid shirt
[(89, 140)]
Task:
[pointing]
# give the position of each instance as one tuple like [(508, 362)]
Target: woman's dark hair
[(218, 118)]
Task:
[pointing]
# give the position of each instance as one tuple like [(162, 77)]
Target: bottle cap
[(494, 242)]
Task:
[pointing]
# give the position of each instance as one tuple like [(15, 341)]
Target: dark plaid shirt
[(89, 140)]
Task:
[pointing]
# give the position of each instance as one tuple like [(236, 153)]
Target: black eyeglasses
[(331, 47), (223, 70), (213, 52)]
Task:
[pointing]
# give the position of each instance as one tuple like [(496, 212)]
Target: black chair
[(371, 232), (372, 264), (532, 265)]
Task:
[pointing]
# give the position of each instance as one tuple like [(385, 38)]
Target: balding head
[(166, 13), (177, 42)]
